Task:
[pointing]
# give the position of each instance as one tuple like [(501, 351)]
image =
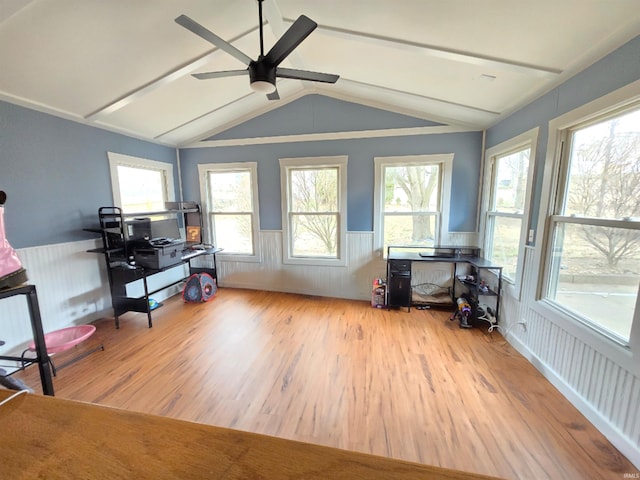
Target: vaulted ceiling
[(126, 65)]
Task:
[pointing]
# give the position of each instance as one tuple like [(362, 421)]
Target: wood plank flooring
[(335, 372)]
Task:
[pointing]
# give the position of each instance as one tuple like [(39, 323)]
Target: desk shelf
[(119, 252), (399, 276)]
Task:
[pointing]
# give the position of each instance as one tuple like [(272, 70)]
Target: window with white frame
[(231, 197), (507, 187), (410, 195), (140, 185), (314, 210), (592, 270)]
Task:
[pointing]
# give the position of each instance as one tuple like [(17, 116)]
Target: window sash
[(585, 293), (497, 173), (295, 213), (496, 249), (233, 244), (162, 191), (608, 298), (322, 248), (390, 215), (403, 233), (231, 227), (305, 250)]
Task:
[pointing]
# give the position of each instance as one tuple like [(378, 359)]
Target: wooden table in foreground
[(52, 438)]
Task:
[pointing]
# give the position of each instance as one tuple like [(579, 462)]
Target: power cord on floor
[(15, 395)]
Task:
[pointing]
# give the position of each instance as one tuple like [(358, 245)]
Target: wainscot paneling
[(72, 289), (605, 391), (353, 281)]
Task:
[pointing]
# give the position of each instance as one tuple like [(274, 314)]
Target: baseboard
[(613, 434)]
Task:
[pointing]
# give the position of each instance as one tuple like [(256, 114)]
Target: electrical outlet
[(532, 235)]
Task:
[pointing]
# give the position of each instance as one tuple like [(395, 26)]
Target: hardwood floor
[(334, 372)]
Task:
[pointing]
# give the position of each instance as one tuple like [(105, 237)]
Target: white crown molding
[(317, 137)]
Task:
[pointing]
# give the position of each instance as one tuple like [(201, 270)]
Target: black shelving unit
[(119, 254), (399, 273)]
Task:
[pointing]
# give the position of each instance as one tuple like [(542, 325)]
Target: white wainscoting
[(353, 281), (606, 392), (72, 289)]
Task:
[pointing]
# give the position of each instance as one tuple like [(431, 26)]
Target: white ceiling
[(125, 65)]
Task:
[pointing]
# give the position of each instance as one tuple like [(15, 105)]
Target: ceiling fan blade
[(296, 33), (225, 73), (274, 95), (305, 75), (212, 38)]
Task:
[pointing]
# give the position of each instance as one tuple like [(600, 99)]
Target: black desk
[(400, 258), (123, 274), (42, 358)]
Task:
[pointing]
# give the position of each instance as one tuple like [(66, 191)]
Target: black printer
[(159, 253), (156, 244)]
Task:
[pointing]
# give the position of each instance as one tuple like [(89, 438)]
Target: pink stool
[(61, 340)]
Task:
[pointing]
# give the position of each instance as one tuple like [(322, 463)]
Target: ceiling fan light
[(262, 86)]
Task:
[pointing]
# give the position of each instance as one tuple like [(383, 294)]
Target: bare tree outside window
[(605, 183), (314, 211), (411, 194)]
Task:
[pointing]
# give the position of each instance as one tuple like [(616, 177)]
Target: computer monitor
[(167, 228)]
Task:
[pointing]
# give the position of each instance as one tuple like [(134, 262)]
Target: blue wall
[(320, 114), (317, 114), (56, 174), (614, 71)]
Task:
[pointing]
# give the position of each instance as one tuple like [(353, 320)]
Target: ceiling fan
[(264, 70)]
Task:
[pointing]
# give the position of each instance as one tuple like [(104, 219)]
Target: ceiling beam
[(439, 52), (161, 81)]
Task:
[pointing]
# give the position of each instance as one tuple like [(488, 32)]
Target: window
[(140, 185), (593, 258), (231, 197), (314, 209), (410, 194), (507, 184)]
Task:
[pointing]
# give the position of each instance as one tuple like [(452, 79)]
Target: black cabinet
[(399, 283), (122, 234)]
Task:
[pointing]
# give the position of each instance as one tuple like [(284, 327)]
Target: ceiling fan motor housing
[(260, 71)]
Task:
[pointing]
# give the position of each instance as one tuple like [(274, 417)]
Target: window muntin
[(231, 199), (594, 256), (314, 210), (505, 213)]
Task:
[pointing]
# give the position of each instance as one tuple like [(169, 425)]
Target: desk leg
[(41, 348), (146, 297)]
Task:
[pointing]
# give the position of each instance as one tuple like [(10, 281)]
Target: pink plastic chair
[(61, 340)]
